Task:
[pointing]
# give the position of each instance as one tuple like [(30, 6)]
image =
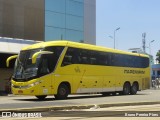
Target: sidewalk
[(77, 107), (106, 102), (113, 113)]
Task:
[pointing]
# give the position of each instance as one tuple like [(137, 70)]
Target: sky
[(134, 17)]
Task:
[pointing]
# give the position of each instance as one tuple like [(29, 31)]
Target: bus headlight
[(27, 86), (35, 83)]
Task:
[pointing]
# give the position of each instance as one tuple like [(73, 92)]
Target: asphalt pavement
[(29, 104)]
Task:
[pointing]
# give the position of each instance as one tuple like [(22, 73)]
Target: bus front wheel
[(41, 97), (62, 92), (126, 88)]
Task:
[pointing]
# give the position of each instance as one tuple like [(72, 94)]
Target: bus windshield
[(24, 68)]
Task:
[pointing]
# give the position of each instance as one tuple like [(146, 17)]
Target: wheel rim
[(62, 91)]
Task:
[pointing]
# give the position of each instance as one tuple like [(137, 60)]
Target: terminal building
[(155, 71), (24, 22)]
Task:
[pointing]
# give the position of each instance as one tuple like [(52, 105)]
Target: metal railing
[(156, 83)]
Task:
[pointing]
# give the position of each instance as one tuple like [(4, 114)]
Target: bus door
[(45, 69), (75, 64), (70, 70)]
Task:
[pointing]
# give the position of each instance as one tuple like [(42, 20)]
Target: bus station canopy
[(13, 45)]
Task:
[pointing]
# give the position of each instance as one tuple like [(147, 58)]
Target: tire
[(126, 89), (134, 88), (41, 97), (62, 92)]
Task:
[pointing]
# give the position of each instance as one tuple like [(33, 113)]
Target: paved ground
[(93, 104), (145, 112), (27, 102)]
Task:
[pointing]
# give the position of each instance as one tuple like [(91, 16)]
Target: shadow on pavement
[(84, 96)]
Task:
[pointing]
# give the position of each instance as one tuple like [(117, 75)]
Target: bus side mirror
[(10, 58), (35, 55)]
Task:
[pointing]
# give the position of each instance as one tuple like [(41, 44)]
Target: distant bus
[(61, 68)]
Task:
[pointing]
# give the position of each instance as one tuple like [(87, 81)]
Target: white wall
[(10, 45)]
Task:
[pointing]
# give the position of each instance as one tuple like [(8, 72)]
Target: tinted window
[(83, 56), (49, 61), (71, 57)]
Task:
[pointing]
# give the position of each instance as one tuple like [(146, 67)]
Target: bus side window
[(93, 61), (84, 60), (107, 60), (102, 58), (75, 56), (71, 57), (112, 59), (66, 60), (84, 56), (53, 58), (93, 58)]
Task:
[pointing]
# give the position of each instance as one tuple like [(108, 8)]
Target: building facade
[(46, 20), (155, 71), (43, 20)]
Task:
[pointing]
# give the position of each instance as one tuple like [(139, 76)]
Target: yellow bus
[(61, 68)]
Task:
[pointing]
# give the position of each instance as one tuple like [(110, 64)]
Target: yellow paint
[(35, 55), (81, 77), (10, 58)]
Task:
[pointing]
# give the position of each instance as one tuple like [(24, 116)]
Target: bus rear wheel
[(41, 97), (134, 88), (62, 92), (126, 89)]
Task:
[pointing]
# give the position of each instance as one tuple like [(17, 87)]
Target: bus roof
[(79, 45)]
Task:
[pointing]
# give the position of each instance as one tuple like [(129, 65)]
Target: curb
[(76, 107)]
